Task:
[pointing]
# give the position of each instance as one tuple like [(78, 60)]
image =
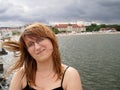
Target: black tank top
[(59, 88)]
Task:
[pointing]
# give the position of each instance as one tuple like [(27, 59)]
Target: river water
[(96, 57)]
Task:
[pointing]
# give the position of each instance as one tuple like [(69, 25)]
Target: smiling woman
[(39, 66)]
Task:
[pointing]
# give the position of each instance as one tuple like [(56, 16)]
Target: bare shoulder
[(17, 79), (71, 69), (72, 72), (19, 74), (72, 79)]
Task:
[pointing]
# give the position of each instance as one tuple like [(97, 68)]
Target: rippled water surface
[(96, 57)]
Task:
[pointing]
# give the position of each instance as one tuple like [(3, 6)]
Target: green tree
[(16, 32), (55, 30), (92, 27), (103, 26)]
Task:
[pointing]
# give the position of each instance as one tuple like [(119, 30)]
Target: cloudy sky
[(20, 12)]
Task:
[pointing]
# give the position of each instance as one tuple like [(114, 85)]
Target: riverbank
[(87, 33), (16, 37)]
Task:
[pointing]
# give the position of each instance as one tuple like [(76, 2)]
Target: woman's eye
[(39, 40), (30, 44)]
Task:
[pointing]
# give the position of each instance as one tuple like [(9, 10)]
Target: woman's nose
[(37, 46)]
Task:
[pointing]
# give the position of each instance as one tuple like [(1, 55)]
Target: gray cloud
[(25, 11)]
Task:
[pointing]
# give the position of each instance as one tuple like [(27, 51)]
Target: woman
[(39, 66)]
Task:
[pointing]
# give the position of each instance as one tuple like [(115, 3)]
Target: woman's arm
[(73, 81)]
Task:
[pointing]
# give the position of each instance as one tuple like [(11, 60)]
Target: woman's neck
[(47, 65), (45, 69)]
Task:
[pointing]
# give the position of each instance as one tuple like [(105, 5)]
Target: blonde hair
[(26, 60)]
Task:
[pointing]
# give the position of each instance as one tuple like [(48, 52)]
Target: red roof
[(66, 25), (61, 26), (75, 26)]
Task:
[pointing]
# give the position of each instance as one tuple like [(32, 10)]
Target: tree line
[(95, 27)]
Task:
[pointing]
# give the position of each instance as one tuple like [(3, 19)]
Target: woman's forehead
[(30, 37)]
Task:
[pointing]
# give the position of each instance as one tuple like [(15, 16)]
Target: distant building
[(7, 32), (70, 27), (107, 30)]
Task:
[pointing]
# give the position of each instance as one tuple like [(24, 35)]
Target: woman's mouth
[(40, 52)]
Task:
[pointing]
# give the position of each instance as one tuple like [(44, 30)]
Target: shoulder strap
[(63, 76), (26, 87)]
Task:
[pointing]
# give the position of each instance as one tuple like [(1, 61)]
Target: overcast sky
[(20, 12)]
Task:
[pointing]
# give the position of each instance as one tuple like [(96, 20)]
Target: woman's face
[(39, 48)]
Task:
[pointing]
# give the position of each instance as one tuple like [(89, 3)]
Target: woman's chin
[(43, 58)]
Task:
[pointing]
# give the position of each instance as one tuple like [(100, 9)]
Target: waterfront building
[(71, 28)]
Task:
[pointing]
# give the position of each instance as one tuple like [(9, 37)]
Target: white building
[(71, 27)]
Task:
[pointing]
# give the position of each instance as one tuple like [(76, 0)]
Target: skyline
[(20, 12)]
